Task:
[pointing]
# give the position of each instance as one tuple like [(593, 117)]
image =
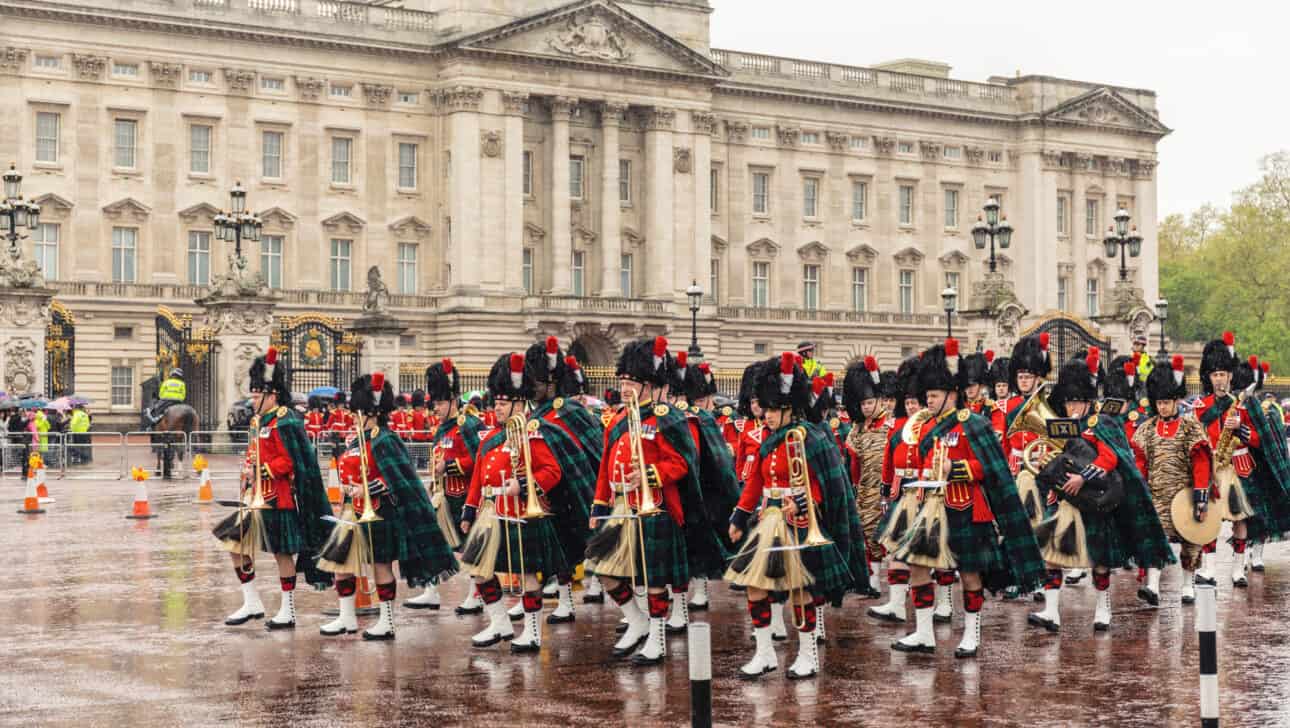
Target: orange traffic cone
[(42, 491), (362, 600), (141, 510), (31, 501), (333, 483), (205, 492)]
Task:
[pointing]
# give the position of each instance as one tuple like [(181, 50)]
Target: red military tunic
[(1243, 439), (401, 424), (667, 463), (960, 494), (1016, 443), (315, 422), (459, 461), (991, 411), (730, 427), (768, 480), (341, 421), (901, 462), (350, 469), (750, 439), (493, 470), (421, 425), (275, 467)]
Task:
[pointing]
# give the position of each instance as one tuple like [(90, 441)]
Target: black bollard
[(1206, 623), (699, 639)]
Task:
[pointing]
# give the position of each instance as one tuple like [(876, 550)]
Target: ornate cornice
[(376, 94), (310, 87), (884, 144), (13, 59), (513, 102), (164, 74), (703, 121), (658, 118), (89, 66), (736, 130), (239, 79), (459, 98), (837, 140), (931, 150), (788, 135)]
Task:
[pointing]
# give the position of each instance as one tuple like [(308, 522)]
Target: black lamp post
[(950, 298), (695, 294), (238, 224), (992, 228), (1162, 313), (16, 212), (1122, 240)]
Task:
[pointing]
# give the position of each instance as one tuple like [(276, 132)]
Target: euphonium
[(1033, 418), (799, 477), (647, 505)]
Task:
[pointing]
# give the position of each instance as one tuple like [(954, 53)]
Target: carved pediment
[(276, 216), (592, 31), (632, 238), (909, 256), (862, 253), (763, 248), (533, 234), (1096, 267), (1108, 109), (127, 209), (953, 259), (411, 225), (813, 252), (344, 221), (583, 237), (200, 211), (719, 245), (52, 203)]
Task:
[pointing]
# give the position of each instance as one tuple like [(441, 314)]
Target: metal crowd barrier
[(94, 456), (223, 449), (139, 452)]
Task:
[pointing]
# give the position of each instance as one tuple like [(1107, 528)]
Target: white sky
[(1220, 70)]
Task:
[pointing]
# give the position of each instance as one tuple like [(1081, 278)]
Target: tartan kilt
[(828, 567), (542, 551), (1103, 541), (666, 560), (280, 531), (455, 506), (1262, 512), (975, 545)]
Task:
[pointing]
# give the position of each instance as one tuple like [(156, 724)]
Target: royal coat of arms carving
[(589, 37)]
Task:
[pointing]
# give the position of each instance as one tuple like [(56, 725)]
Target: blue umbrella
[(325, 392), (33, 403)]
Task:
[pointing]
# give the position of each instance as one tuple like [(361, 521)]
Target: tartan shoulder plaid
[(717, 474), (1136, 518), (310, 496), (1272, 468), (1216, 409), (469, 430), (1025, 565), (428, 556), (585, 425)]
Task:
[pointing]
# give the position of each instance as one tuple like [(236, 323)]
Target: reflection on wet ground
[(115, 622)]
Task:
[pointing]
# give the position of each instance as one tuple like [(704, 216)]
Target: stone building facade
[(524, 167)]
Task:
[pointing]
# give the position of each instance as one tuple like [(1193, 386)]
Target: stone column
[(381, 335), (242, 327), (24, 313), (612, 114), (660, 281), (702, 123), (561, 224), (1144, 197), (461, 104), (513, 149)]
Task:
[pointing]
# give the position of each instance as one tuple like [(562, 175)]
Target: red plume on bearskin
[(989, 356), (818, 386), (828, 380), (787, 362), (682, 361), (1254, 362), (572, 363), (1177, 365), (1043, 344), (270, 363), (660, 351), (706, 368), (378, 384), (552, 352), (871, 366), (1137, 358), (1229, 340), (447, 366), (1130, 371), (1267, 368), (952, 355), (517, 370)]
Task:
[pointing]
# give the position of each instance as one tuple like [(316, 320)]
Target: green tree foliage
[(1227, 269)]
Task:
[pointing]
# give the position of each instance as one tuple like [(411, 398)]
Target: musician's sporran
[(928, 541), (479, 555), (1233, 503), (1062, 540)]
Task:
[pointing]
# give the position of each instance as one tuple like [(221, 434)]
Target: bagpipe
[(1062, 538)]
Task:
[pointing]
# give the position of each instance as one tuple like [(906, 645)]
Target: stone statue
[(239, 282), (590, 37), (378, 294), (17, 271)]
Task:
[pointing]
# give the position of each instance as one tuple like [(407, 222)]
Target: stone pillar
[(381, 336), (702, 123), (464, 253), (660, 281), (612, 114), (561, 224), (242, 327), (24, 313), (513, 149)]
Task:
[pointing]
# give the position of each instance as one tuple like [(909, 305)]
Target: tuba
[(1033, 418)]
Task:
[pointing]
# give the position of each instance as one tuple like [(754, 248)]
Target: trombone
[(518, 442), (369, 513), (258, 503), (799, 478), (646, 505)]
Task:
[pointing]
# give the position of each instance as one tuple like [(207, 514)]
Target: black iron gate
[(1067, 335), (318, 352), (180, 347), (60, 352)]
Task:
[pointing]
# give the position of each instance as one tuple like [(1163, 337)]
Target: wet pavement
[(119, 623)]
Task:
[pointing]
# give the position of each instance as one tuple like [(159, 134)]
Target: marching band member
[(649, 481), (973, 520), (340, 425), (528, 485), (452, 460), (1121, 383), (803, 532), (1173, 454), (1001, 384), (401, 417), (1027, 368), (976, 390), (574, 385), (900, 465), (283, 499), (315, 419), (866, 445), (380, 479), (1106, 535)]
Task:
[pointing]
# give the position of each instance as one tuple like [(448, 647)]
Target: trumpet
[(799, 477)]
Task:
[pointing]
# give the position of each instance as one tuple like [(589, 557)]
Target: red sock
[(895, 576), (1054, 579), (346, 587), (244, 576), (532, 601), (973, 600), (1101, 582), (944, 578), (924, 596), (490, 591), (1238, 545), (1209, 548), (385, 592), (659, 604), (805, 616), (288, 583), (621, 594), (760, 612)]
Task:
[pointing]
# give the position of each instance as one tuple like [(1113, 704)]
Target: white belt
[(906, 472), (782, 493), (493, 492), (1241, 451)]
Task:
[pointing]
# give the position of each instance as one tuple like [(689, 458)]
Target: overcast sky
[(1221, 70)]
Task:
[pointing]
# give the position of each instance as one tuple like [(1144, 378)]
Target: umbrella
[(62, 404), (78, 400), (7, 403), (325, 392), (33, 403), (465, 398)]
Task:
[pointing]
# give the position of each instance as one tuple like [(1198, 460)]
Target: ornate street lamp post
[(15, 212), (1162, 313), (950, 298), (1122, 240), (695, 294), (238, 225), (992, 228)]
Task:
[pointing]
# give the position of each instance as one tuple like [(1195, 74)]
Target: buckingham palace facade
[(518, 168)]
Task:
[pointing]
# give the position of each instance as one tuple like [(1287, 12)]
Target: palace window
[(409, 98), (199, 149), (811, 197), (859, 289), (1063, 293), (341, 252), (124, 243), (577, 176), (857, 142), (906, 290), (953, 152), (407, 274), (810, 137), (342, 91), (952, 280), (905, 148), (271, 259), (625, 181), (951, 208), (341, 154), (810, 287), (122, 386), (1061, 215), (47, 62), (714, 280), (761, 284), (407, 166), (275, 85), (127, 131), (271, 155), (528, 174), (44, 248), (125, 69), (1094, 300), (1091, 223), (906, 205), (714, 190), (761, 193), (761, 132), (199, 258), (625, 274), (579, 273), (859, 200)]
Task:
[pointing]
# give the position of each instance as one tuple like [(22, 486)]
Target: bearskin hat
[(975, 369), (1077, 380), (510, 378), (544, 361), (889, 385), (372, 395), (644, 361), (270, 375), (1029, 354), (574, 380), (744, 404), (341, 399), (442, 382), (1121, 380), (939, 369), (862, 381), (780, 383), (418, 398), (1219, 355), (1246, 375), (699, 382), (1166, 382), (612, 397), (678, 368), (821, 400), (906, 384), (999, 370)]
